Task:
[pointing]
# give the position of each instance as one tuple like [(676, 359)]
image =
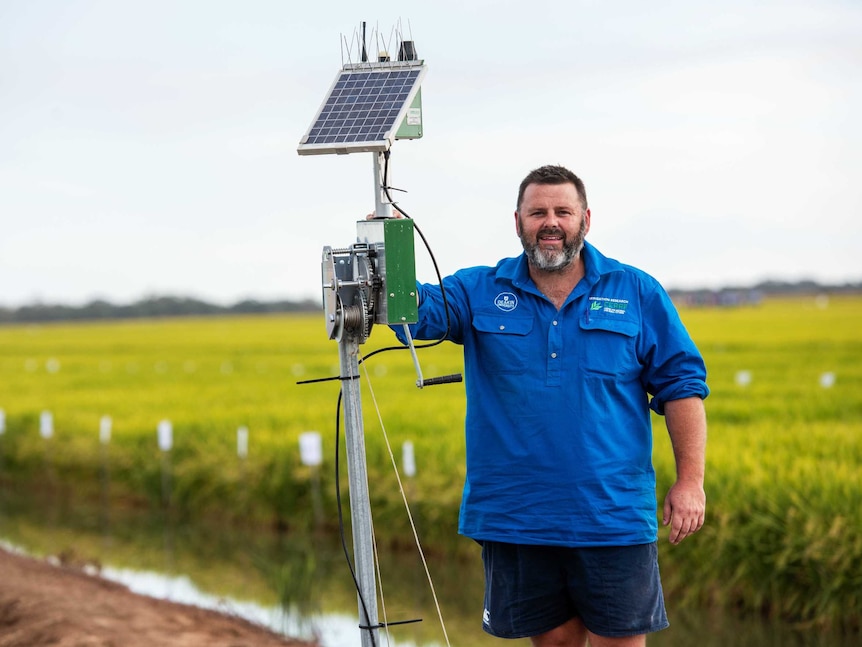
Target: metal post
[(360, 503), (382, 206)]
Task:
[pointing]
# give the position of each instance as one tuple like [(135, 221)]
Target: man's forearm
[(686, 425)]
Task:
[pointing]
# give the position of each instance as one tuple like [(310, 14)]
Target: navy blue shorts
[(615, 591)]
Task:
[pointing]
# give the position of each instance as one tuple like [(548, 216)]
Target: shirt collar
[(597, 264)]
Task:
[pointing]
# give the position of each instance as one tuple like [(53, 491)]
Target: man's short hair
[(552, 175)]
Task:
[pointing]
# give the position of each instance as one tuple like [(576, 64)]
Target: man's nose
[(552, 219)]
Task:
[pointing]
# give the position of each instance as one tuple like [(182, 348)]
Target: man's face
[(552, 225)]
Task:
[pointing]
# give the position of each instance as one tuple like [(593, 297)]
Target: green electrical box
[(411, 127), (400, 281), (395, 262)]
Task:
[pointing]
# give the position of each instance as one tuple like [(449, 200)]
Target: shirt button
[(553, 356), (555, 323), (502, 327)]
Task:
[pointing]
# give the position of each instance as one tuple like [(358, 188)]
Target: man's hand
[(684, 510), (395, 214)]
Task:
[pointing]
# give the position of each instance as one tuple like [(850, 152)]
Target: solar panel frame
[(363, 109)]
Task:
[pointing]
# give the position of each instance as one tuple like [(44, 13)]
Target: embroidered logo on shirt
[(609, 305), (506, 301)]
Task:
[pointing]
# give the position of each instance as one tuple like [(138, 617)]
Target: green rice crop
[(784, 483)]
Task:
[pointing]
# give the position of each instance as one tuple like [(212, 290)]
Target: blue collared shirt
[(558, 429)]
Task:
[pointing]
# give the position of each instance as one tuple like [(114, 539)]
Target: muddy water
[(300, 584)]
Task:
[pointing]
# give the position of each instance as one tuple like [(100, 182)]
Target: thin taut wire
[(407, 507)]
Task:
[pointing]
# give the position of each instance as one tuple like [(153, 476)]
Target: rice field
[(784, 483)]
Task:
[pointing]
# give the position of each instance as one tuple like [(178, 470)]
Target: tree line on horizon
[(171, 306), (736, 296), (150, 307)]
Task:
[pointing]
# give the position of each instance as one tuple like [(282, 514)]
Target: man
[(565, 353)]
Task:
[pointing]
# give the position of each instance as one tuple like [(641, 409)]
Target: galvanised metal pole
[(382, 206), (360, 503)]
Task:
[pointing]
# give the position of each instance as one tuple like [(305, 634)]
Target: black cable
[(386, 188)]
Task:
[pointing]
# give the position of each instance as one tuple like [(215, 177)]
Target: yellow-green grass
[(783, 465)]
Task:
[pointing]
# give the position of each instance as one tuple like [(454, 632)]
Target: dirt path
[(41, 604)]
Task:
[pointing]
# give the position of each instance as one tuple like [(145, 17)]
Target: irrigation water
[(299, 584)]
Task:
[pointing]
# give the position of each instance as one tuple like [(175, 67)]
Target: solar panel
[(364, 108)]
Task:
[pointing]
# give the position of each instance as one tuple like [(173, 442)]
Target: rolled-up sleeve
[(673, 366)]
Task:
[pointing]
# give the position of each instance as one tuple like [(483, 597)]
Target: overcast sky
[(149, 147)]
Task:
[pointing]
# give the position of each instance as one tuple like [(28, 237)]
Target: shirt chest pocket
[(502, 342), (608, 347)]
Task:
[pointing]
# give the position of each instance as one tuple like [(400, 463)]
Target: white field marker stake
[(2, 432), (310, 448), (311, 455), (105, 423), (46, 430), (408, 459), (242, 452), (166, 435), (743, 378), (166, 441), (46, 424), (242, 442)]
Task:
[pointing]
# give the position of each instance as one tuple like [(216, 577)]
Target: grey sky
[(150, 147)]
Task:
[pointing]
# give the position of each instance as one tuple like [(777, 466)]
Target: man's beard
[(549, 260)]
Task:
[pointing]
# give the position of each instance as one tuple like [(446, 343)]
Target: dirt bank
[(42, 604)]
